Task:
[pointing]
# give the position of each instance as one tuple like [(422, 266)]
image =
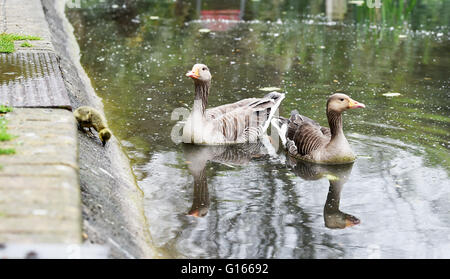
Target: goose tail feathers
[(280, 124), (275, 99)]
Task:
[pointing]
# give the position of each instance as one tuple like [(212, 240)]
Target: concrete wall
[(112, 203)]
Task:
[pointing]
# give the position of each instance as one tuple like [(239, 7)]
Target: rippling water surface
[(251, 202)]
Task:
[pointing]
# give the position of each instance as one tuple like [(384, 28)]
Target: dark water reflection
[(337, 175), (197, 159), (248, 201)]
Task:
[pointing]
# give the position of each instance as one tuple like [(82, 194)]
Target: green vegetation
[(7, 151), (4, 135), (7, 41), (26, 44), (6, 44), (5, 109)]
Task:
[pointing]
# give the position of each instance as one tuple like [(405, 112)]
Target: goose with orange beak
[(240, 122), (305, 139)]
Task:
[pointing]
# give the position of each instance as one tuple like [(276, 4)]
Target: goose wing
[(308, 137), (219, 111), (306, 134), (245, 120)]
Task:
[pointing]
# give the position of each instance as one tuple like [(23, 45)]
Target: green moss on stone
[(26, 44), (7, 151), (7, 41), (4, 135), (5, 109)]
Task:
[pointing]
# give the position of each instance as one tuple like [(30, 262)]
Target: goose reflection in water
[(241, 154), (198, 157), (337, 175)]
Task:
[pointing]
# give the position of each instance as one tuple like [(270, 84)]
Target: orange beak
[(354, 104), (195, 213), (193, 74), (351, 221)]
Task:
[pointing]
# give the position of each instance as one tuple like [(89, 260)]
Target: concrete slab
[(53, 251), (26, 17), (32, 79), (40, 184), (39, 188)]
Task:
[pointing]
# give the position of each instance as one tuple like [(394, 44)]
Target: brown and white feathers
[(240, 122), (306, 139), (88, 117)]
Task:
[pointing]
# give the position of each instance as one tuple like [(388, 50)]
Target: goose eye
[(342, 100), (204, 69)]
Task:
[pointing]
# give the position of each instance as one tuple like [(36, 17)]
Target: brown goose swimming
[(240, 122), (305, 139)]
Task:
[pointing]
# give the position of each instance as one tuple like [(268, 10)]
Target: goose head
[(339, 102), (83, 114), (199, 72), (104, 135)]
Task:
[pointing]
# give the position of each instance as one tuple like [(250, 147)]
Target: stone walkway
[(39, 184), (39, 192)]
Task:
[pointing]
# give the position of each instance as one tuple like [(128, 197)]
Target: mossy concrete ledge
[(39, 191), (40, 184), (112, 202), (39, 179)]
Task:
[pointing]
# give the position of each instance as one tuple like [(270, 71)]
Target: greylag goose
[(337, 176), (240, 122), (305, 139), (88, 117)]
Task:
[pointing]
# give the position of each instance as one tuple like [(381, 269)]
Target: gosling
[(88, 117)]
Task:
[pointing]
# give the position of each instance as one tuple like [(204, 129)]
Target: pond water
[(249, 201)]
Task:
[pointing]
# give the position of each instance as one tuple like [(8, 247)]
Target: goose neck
[(335, 123), (334, 196), (201, 95)]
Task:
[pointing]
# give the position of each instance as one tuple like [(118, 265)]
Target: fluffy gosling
[(88, 117)]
